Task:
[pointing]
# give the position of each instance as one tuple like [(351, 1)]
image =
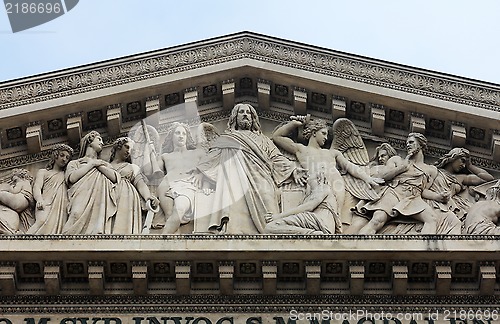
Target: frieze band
[(247, 45)]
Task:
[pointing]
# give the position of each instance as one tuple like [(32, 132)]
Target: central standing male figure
[(246, 169)]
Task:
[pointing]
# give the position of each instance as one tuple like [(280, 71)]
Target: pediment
[(275, 75)]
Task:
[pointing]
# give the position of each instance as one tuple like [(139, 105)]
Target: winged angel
[(320, 212), (348, 141), (181, 152)]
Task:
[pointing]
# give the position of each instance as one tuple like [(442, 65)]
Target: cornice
[(157, 304), (264, 237), (252, 46)]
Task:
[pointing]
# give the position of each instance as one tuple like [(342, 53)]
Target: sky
[(456, 37)]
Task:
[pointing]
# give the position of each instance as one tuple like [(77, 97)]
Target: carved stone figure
[(376, 168), (131, 189), (383, 153), (456, 172), (348, 141), (318, 160), (177, 190), (16, 201), (51, 193), (446, 222), (403, 196), (246, 168), (146, 143), (484, 215), (314, 215), (91, 181)]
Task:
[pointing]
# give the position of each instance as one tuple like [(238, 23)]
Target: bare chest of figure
[(180, 164), (318, 160)]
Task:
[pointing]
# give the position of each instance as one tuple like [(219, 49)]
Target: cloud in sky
[(452, 36)]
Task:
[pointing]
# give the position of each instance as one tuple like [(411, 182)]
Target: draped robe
[(55, 213), (246, 168), (92, 201)]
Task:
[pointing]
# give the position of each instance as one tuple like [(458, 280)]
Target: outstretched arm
[(394, 167), (355, 170)]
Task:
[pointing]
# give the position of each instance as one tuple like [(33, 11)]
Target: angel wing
[(348, 141), (143, 135), (206, 134)]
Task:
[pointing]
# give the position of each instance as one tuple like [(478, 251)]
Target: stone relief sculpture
[(246, 168), (379, 160), (180, 157), (236, 180), (403, 196), (314, 215), (130, 190), (455, 174), (484, 215), (144, 154), (376, 168), (51, 193), (318, 160), (91, 181), (348, 141), (16, 202), (446, 221)]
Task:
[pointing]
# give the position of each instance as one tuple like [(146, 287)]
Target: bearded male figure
[(246, 168)]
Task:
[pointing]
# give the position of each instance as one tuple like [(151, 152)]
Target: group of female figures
[(83, 196)]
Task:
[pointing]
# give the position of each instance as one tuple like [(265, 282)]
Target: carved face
[(244, 118), (321, 136), (412, 145), (179, 137), (458, 164), (383, 156), (62, 159), (97, 144), (126, 150)]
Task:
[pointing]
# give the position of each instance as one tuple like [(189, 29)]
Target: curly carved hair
[(384, 146), (23, 174), (85, 142), (232, 123), (313, 126), (168, 143), (55, 153), (452, 155), (117, 145), (422, 140)]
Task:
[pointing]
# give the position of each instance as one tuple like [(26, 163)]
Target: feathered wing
[(206, 134), (348, 141), (140, 153)]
